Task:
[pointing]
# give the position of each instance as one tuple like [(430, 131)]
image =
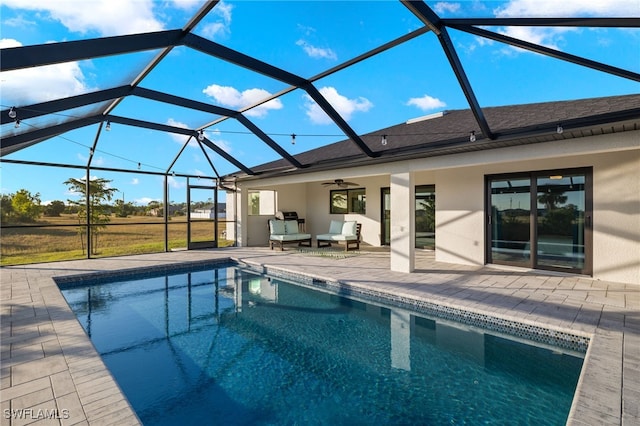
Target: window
[(426, 216), (262, 202), (348, 201)]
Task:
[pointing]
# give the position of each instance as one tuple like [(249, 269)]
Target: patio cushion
[(276, 227), (336, 227), (291, 227), (335, 237), (349, 228), (290, 237)]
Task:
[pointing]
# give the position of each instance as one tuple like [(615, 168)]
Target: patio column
[(242, 206), (403, 219)]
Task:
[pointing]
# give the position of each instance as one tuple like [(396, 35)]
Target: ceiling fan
[(340, 183)]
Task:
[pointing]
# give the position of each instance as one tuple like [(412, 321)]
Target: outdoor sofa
[(283, 232), (347, 232)]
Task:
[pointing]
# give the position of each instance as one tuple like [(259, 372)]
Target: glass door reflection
[(510, 221), (561, 221), (385, 216), (425, 217)]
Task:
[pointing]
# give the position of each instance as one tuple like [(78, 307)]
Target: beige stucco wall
[(616, 217), (460, 215)]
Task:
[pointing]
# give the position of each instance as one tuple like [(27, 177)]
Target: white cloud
[(223, 10), (32, 85), (344, 106), (214, 29), (176, 183), (568, 8), (106, 17), (306, 29), (214, 136), (444, 7), (552, 37), (9, 42), (186, 4), (317, 52), (222, 24), (233, 98), (426, 103), (144, 201), (547, 37), (18, 22), (223, 145), (180, 138), (134, 181)]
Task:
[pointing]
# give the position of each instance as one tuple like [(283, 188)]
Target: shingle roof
[(449, 133)]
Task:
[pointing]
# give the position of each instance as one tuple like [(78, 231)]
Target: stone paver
[(51, 373)]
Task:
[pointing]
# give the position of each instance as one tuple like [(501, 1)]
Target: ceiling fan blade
[(340, 183)]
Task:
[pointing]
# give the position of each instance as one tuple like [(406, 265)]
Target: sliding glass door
[(553, 234), (561, 220), (385, 216), (426, 216)]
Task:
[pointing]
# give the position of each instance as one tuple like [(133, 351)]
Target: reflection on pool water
[(224, 345)]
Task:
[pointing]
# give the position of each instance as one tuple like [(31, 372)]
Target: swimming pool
[(224, 344)]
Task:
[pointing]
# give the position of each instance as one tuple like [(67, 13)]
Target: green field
[(59, 238)]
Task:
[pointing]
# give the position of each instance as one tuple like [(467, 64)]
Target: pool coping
[(78, 369)]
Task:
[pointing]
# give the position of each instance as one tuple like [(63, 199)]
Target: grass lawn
[(59, 238)]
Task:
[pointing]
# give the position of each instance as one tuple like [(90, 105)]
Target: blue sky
[(302, 37)]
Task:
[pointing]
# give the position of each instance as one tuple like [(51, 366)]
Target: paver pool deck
[(52, 374)]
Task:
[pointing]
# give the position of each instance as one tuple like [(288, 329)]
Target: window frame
[(532, 176), (348, 200), (259, 192)]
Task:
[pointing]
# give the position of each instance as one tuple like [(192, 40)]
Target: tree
[(6, 208), (552, 199), (25, 206), (99, 194), (124, 209), (54, 209)]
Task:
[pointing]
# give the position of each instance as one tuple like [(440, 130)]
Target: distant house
[(158, 211), (208, 212)]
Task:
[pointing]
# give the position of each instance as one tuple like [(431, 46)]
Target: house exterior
[(204, 212), (557, 188), (171, 210)]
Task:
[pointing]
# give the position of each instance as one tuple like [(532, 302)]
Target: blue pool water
[(224, 345)]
